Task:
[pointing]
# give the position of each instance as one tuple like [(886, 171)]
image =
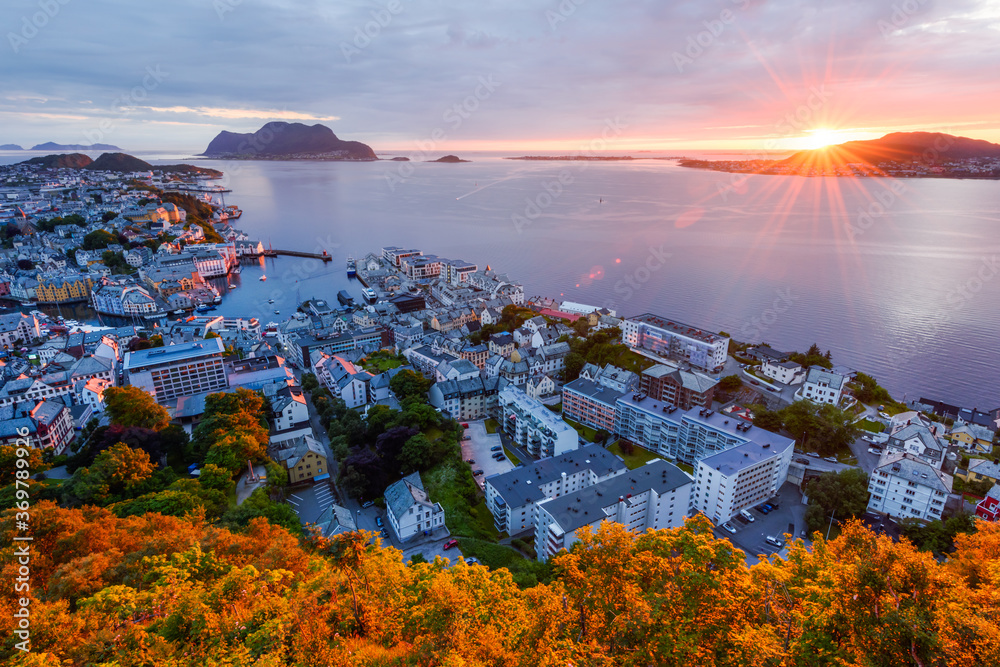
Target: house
[(45, 423), (972, 437), (785, 372), (343, 379), (982, 469), (18, 326), (291, 415), (905, 486), (531, 425), (458, 369), (304, 458), (501, 344), (684, 388), (535, 324), (821, 386), (410, 510), (335, 520), (522, 337), (471, 398), (919, 441), (539, 386), (989, 507)]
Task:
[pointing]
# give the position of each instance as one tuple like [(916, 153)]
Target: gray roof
[(301, 446), (818, 374), (586, 506), (594, 391), (520, 486), (173, 353), (928, 439), (915, 470), (335, 520), (985, 467), (399, 496), (732, 461)]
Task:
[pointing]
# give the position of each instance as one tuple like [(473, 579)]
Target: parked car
[(812, 454), (464, 425), (368, 504), (384, 534), (471, 560), (727, 527), (496, 448), (831, 459), (450, 543), (470, 461), (755, 383), (774, 541), (802, 459), (466, 437), (763, 509), (499, 456), (477, 473), (803, 533), (746, 515), (379, 522)]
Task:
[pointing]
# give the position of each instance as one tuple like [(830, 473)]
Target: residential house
[(304, 458), (683, 388), (905, 486), (822, 386), (410, 510)]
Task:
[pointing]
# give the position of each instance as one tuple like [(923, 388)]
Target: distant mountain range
[(10, 147), (118, 162), (928, 147), (279, 140), (52, 146)]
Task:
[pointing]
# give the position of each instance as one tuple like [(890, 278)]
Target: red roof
[(559, 314)]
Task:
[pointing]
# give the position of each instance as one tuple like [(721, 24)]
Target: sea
[(899, 279)]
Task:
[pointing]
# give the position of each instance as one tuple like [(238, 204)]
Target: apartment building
[(179, 370), (590, 403), (738, 478), (907, 487), (656, 495), (472, 398), (670, 339), (822, 386), (671, 384), (533, 426), (512, 496)]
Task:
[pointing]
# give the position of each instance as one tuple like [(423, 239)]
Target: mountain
[(281, 140), (118, 162), (61, 161), (52, 146), (928, 147), (10, 147)]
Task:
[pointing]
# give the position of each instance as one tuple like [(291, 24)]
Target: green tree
[(259, 504), (842, 496), (9, 458), (410, 384), (573, 364), (730, 383), (98, 240), (131, 406)]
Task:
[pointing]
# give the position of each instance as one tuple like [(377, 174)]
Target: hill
[(119, 162), (449, 158), (52, 146), (61, 161), (10, 147), (279, 140), (899, 147)]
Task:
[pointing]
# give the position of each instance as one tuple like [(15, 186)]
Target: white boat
[(270, 300), (277, 312), (179, 311), (231, 286), (262, 278)]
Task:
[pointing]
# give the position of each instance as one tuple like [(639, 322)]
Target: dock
[(273, 252)]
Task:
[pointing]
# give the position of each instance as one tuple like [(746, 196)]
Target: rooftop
[(173, 353), (677, 327), (732, 461), (521, 486)]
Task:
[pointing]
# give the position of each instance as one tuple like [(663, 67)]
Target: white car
[(774, 541), (876, 452), (746, 515), (729, 528)]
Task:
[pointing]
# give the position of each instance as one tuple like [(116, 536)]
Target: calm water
[(909, 293)]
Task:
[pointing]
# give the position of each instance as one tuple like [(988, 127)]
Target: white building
[(906, 487), (410, 510), (740, 477), (822, 386), (18, 326), (473, 398), (343, 379), (656, 495), (291, 415), (918, 441), (512, 497), (785, 372), (673, 340), (533, 426)]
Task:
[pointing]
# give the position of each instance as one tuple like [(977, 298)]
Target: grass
[(685, 467), (526, 573), (587, 432), (380, 362), (557, 408), (451, 483), (513, 459), (871, 426), (491, 425), (638, 457)]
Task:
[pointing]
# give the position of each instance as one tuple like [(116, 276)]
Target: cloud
[(216, 112)]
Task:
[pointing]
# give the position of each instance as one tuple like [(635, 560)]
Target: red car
[(450, 543), (465, 426)]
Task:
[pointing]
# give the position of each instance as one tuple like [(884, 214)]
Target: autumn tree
[(131, 406)]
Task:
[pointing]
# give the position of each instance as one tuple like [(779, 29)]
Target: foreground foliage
[(161, 590)]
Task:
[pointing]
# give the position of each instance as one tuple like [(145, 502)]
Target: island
[(449, 158), (52, 146), (117, 162), (577, 158), (10, 147), (898, 155), (287, 141)]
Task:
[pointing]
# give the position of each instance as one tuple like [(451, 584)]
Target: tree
[(117, 472), (842, 495), (731, 383), (9, 458), (572, 365), (25, 264), (937, 536), (98, 240), (409, 384), (766, 419), (131, 406), (260, 505)]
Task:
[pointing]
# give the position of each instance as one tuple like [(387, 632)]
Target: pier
[(273, 252)]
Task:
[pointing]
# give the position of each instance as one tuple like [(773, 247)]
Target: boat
[(369, 294), (204, 308), (231, 286), (262, 278), (344, 298), (277, 312), (270, 300), (179, 311), (352, 267), (217, 299)]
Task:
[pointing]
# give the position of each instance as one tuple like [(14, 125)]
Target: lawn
[(380, 362), (513, 459), (685, 467), (638, 457), (871, 426), (491, 425), (584, 430), (526, 573), (451, 483)]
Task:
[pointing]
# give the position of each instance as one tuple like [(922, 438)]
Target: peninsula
[(52, 146), (287, 141), (898, 154)]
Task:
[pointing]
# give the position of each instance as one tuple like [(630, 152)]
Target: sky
[(554, 75)]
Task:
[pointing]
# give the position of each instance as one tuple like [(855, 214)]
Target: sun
[(822, 137)]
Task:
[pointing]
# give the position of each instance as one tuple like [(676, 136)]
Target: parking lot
[(789, 517), (477, 448), (310, 501)]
